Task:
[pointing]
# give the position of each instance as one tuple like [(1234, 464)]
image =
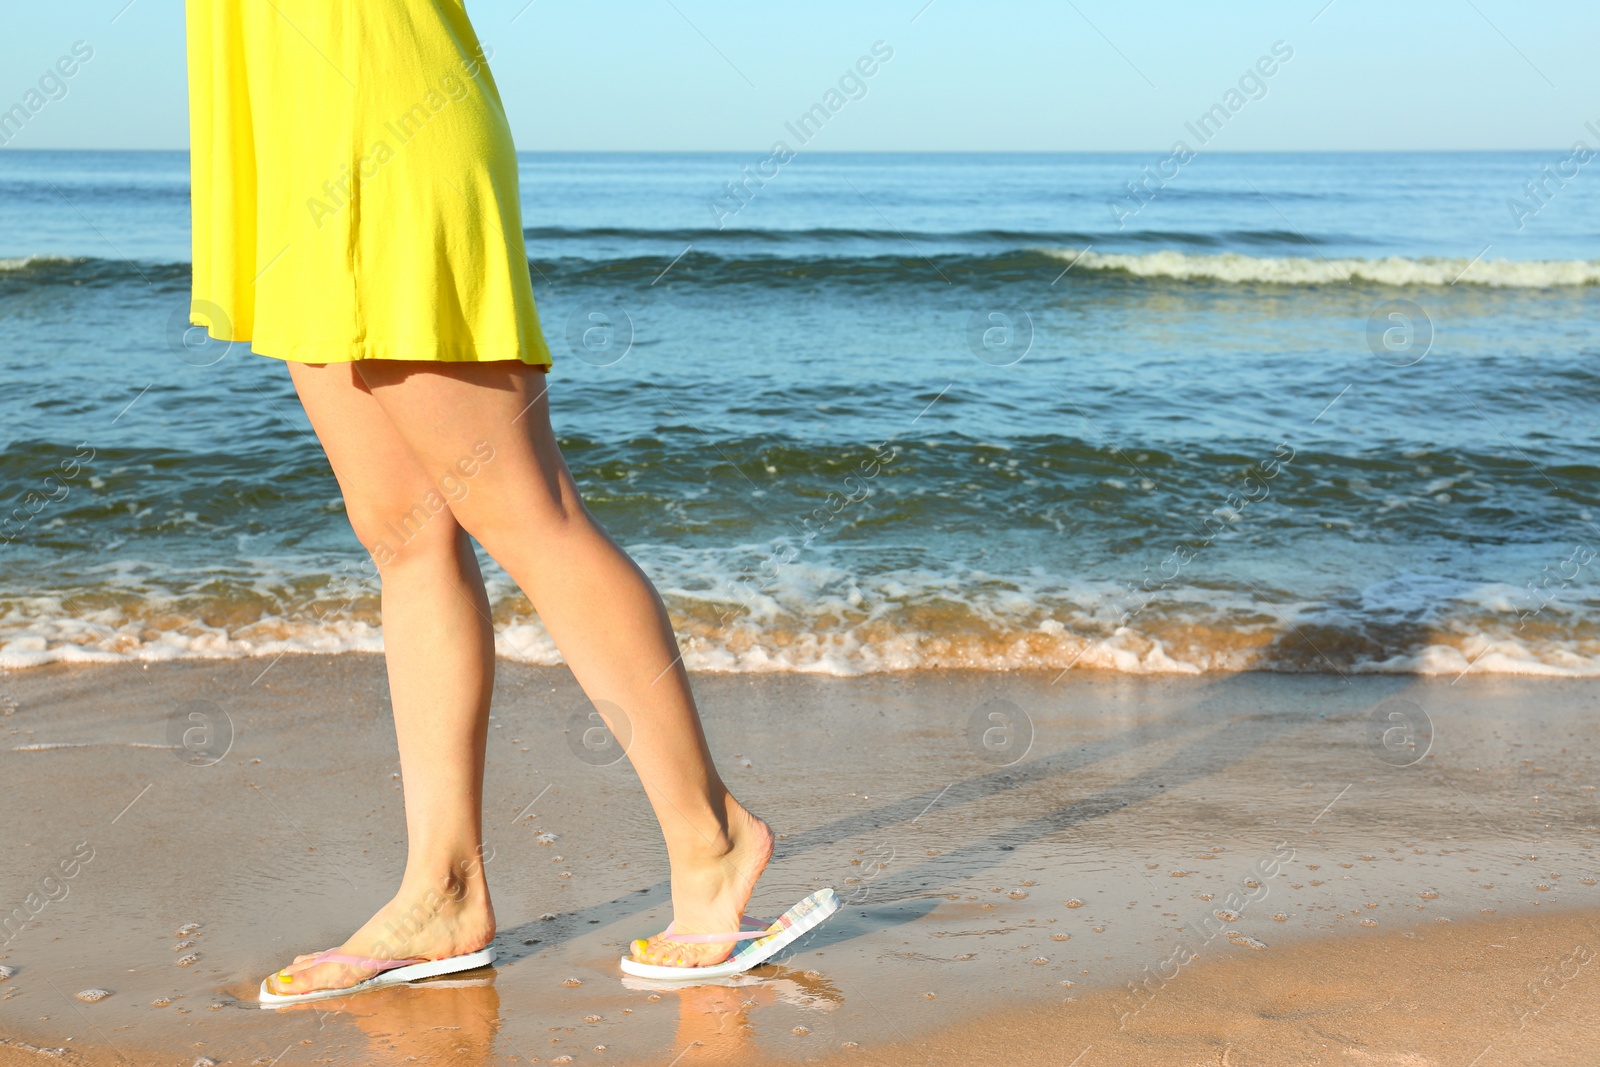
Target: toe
[(662, 951), (295, 978), (657, 950), (306, 976)]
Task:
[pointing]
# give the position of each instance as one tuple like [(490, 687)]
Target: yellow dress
[(354, 184)]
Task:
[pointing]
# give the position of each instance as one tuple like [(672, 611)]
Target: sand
[(1242, 869)]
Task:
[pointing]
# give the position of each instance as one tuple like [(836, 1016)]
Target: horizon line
[(915, 151)]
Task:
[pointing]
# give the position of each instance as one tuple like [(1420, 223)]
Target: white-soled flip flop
[(395, 972), (788, 928)]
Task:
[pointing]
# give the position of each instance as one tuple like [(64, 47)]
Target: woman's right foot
[(710, 892), (451, 918)]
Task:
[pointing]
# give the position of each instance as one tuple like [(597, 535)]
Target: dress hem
[(402, 351), (407, 354)]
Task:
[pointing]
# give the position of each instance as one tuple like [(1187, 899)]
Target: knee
[(538, 514), (396, 534)]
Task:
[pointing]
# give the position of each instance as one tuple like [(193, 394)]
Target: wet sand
[(1232, 869)]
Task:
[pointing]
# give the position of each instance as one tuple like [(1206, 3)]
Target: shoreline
[(1099, 832), (844, 639)]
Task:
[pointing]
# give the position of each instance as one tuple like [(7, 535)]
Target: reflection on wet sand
[(450, 1020), (457, 1020), (715, 1018)]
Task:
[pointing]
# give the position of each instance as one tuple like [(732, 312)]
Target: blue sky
[(1064, 75)]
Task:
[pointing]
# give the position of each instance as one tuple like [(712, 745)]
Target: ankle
[(445, 881), (733, 830), (699, 850)]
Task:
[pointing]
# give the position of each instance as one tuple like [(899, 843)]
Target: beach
[(1236, 869)]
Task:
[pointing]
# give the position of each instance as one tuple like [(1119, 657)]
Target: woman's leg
[(601, 611), (439, 648)]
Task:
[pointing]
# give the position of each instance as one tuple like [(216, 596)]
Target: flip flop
[(772, 939), (395, 972)]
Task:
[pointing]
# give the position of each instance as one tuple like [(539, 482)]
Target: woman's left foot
[(709, 894)]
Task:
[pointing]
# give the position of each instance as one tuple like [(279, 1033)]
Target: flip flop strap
[(364, 962), (764, 928)]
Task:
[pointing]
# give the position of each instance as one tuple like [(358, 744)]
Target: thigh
[(486, 426), (395, 506)]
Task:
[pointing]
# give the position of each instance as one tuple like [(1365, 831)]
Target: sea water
[(1328, 412)]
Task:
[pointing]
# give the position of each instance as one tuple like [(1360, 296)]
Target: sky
[(1001, 75)]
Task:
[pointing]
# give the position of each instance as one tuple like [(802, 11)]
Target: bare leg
[(600, 609), (440, 655)]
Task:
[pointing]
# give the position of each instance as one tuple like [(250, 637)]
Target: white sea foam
[(1236, 268), (821, 619), (39, 639), (24, 262), (846, 651)]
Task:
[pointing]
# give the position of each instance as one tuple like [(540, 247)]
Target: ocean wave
[(1398, 271), (665, 486), (44, 270), (866, 648), (888, 264), (1002, 265), (28, 262), (820, 618)]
